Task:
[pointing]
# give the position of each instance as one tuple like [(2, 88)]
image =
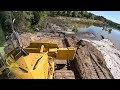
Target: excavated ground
[(93, 60), (64, 69), (89, 61), (87, 64)]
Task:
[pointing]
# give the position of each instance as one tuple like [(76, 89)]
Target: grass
[(29, 29), (74, 29)]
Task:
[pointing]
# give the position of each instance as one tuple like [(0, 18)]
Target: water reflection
[(84, 25), (107, 29), (108, 33)]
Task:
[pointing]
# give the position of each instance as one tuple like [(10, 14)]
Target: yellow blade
[(65, 53)]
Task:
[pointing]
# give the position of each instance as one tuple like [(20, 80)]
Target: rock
[(102, 36), (37, 29)]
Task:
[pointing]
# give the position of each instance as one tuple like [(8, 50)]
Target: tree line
[(87, 15), (26, 20)]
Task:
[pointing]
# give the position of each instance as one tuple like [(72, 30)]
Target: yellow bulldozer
[(36, 61)]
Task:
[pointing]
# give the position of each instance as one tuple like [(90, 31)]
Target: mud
[(89, 61)]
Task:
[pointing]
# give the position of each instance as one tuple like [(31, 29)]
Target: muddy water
[(96, 32)]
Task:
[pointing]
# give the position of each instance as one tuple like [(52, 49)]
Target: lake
[(113, 35)]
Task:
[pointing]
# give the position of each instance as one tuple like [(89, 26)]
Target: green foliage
[(26, 20), (2, 37), (73, 14), (43, 15), (5, 21), (74, 29), (29, 29), (39, 18), (36, 17), (28, 15), (68, 13)]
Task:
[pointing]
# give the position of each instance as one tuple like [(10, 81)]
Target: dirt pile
[(89, 61), (110, 54), (26, 38)]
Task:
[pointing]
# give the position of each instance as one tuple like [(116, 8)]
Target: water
[(113, 35)]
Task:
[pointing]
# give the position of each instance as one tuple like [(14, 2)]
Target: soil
[(110, 54), (89, 61), (93, 59)]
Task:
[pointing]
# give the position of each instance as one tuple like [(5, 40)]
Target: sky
[(111, 15)]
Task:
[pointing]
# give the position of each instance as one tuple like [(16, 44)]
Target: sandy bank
[(110, 54)]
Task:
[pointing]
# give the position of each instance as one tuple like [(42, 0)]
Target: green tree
[(73, 14), (36, 18), (79, 14), (68, 13), (5, 22), (2, 37)]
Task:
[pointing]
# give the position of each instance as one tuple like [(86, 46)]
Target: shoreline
[(110, 54)]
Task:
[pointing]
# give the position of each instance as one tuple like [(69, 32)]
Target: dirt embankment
[(110, 54), (26, 38), (95, 59), (89, 61), (93, 56)]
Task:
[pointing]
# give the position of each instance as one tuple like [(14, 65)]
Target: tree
[(68, 13), (36, 17), (5, 22), (79, 14), (58, 13), (63, 13), (73, 14)]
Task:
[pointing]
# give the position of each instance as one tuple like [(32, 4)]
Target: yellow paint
[(42, 48), (39, 64), (39, 72), (65, 53)]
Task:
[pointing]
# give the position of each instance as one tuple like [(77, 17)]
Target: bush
[(2, 37), (74, 29), (29, 29)]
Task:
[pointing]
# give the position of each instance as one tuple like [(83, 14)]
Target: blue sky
[(111, 15)]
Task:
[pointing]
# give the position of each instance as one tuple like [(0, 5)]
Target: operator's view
[(59, 45)]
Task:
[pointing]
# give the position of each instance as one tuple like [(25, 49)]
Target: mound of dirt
[(26, 38), (110, 54), (94, 59), (89, 61)]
